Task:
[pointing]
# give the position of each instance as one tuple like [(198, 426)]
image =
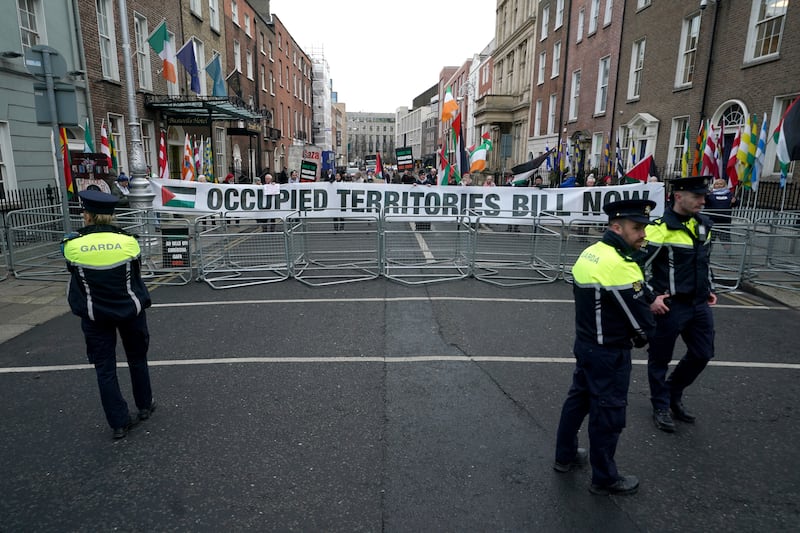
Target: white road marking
[(373, 359)]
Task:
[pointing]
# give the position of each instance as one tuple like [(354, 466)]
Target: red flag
[(643, 170), (700, 145), (378, 167), (67, 166), (710, 167), (163, 161), (104, 146), (730, 168)]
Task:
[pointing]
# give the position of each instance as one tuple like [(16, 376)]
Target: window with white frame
[(574, 95), (594, 14), (249, 64), (765, 29), (687, 55), (213, 14), (261, 43), (269, 51), (603, 69), (542, 66), (116, 135), (288, 89), (551, 115), (271, 83), (581, 23), (196, 8), (262, 77), (597, 150), (107, 39), (677, 143), (510, 73), (559, 18), (31, 23), (235, 12), (237, 56), (149, 143), (609, 11), (172, 88), (219, 151), (637, 65), (143, 67), (641, 4), (8, 178), (556, 60), (200, 56), (545, 21), (624, 141), (247, 25), (537, 123)]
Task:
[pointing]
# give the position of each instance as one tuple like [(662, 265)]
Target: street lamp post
[(141, 195)]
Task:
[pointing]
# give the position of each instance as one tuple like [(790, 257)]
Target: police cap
[(98, 202), (695, 184), (636, 210)]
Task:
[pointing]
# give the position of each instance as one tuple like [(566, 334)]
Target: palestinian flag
[(178, 196)]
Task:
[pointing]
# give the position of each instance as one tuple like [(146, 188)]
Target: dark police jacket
[(611, 306), (106, 284), (676, 258)]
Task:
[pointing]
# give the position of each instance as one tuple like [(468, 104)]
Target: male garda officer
[(676, 260), (611, 315), (106, 290)]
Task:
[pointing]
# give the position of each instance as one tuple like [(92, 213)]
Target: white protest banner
[(338, 199)]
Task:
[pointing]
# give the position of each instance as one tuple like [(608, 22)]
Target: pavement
[(375, 406)]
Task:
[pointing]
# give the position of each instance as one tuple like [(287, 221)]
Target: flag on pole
[(710, 167), (642, 171), (522, 173), (478, 156), (732, 167), (633, 154), (113, 146), (88, 143), (214, 70), (208, 162), (449, 105), (198, 156), (620, 166), (186, 57), (163, 160), (747, 152), (606, 156), (461, 164), (187, 171), (160, 42), (105, 148), (761, 149), (699, 147), (378, 167), (445, 169), (62, 137), (787, 139)]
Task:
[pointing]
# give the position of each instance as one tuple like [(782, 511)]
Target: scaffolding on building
[(322, 129)]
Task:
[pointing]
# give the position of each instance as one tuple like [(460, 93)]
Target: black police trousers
[(694, 322), (600, 389), (101, 344)]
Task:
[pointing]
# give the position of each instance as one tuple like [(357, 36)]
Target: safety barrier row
[(229, 251)]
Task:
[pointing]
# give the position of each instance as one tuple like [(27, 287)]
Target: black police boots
[(663, 420), (679, 412), (581, 458), (624, 485)]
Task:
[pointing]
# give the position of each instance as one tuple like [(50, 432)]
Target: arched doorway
[(728, 119)]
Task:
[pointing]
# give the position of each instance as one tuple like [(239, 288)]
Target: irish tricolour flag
[(178, 196)]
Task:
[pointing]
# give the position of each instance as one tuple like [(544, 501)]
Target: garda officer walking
[(676, 260), (106, 290), (611, 315)]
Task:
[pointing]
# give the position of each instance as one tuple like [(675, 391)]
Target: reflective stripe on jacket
[(105, 282), (610, 303)]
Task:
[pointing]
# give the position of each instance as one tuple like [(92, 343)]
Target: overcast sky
[(382, 54)]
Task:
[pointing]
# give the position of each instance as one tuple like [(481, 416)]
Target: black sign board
[(405, 158), (175, 247), (308, 170)]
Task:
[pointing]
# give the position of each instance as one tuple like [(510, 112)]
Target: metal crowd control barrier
[(774, 253), (729, 247), (580, 233), (166, 245), (239, 252), (524, 253), (421, 249), (4, 266), (34, 237), (329, 251)]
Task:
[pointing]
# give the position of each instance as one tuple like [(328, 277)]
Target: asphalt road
[(380, 407)]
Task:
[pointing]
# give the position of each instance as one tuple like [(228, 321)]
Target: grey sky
[(382, 54)]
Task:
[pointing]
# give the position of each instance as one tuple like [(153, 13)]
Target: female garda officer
[(106, 290), (611, 315)]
